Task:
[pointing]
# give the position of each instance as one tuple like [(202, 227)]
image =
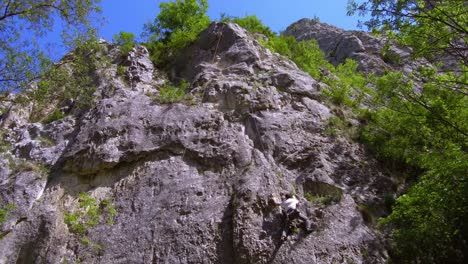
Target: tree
[(177, 24), (431, 27), (420, 120), (22, 22), (126, 40)]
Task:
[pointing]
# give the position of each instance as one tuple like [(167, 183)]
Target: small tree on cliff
[(177, 24)]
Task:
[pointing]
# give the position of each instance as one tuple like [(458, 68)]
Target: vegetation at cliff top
[(126, 41), (348, 89), (71, 82), (177, 25)]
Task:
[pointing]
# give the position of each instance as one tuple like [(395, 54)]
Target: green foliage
[(55, 115), (430, 220), (346, 87), (371, 210), (349, 260), (334, 126), (306, 54), (74, 224), (4, 145), (340, 126), (110, 211), (366, 257), (431, 28), (86, 241), (89, 214), (172, 94), (11, 161), (324, 199), (252, 23), (23, 165), (121, 70), (350, 87), (23, 24), (430, 119), (425, 128), (177, 25), (126, 40), (3, 110), (5, 210), (282, 45), (93, 212), (389, 56), (90, 244), (81, 85), (158, 51), (72, 80)]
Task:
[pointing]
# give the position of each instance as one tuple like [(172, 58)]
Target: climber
[(290, 213)]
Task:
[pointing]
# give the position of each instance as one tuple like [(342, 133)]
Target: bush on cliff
[(72, 82), (177, 25), (126, 41)]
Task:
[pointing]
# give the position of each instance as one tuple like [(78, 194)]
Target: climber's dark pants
[(290, 216)]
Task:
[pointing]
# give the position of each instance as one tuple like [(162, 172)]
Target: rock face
[(369, 51), (192, 182)]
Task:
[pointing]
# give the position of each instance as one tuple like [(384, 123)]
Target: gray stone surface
[(339, 45), (193, 182)]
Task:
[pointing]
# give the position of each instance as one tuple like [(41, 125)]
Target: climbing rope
[(220, 35)]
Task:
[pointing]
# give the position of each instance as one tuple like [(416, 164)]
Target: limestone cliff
[(196, 181), (375, 54)]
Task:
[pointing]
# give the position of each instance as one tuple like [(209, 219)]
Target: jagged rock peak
[(368, 50)]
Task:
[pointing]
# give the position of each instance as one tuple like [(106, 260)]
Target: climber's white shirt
[(290, 203)]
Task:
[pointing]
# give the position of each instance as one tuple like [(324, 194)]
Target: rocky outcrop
[(374, 54), (196, 181)]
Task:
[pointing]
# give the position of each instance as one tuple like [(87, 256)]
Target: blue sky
[(131, 15)]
